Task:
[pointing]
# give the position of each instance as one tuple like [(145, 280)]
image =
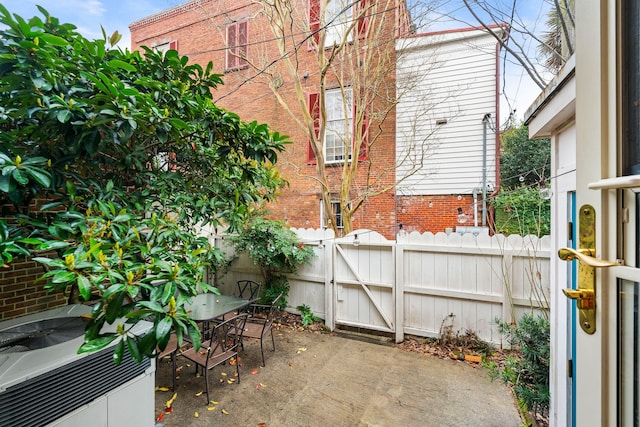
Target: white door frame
[(598, 158)]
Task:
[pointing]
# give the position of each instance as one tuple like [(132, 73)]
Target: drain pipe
[(475, 207), (505, 37), (485, 123)]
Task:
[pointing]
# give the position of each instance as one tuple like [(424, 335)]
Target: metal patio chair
[(222, 346), (260, 324), (247, 289)]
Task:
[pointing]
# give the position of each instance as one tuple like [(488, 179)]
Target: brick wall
[(435, 213), (21, 293), (200, 31)]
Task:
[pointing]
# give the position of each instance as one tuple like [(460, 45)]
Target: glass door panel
[(628, 297)]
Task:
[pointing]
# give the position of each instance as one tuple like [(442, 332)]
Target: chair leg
[(262, 350), (238, 367), (273, 341), (206, 382)]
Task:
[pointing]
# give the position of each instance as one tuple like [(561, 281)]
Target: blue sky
[(89, 15)]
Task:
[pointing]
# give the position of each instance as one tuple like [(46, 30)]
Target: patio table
[(207, 307)]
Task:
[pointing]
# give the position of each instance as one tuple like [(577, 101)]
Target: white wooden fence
[(416, 284)]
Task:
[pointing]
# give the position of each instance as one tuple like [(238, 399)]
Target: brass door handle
[(585, 298), (585, 294), (585, 256)]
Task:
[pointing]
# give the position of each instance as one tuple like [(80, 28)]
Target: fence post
[(398, 292), (330, 317)]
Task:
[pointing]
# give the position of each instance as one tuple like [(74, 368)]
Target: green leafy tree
[(276, 250), (523, 160), (522, 211), (523, 205), (111, 159)]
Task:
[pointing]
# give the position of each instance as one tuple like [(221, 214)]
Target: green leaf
[(152, 305), (48, 261), (85, 287), (63, 276), (113, 289), (49, 206), (147, 345), (114, 308), (116, 63), (6, 184), (40, 177), (30, 241), (54, 40), (163, 329), (169, 291), (54, 244), (122, 218), (97, 344), (63, 116), (20, 176), (118, 351), (132, 345)]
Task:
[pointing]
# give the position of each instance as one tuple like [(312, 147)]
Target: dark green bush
[(528, 372), (522, 211)]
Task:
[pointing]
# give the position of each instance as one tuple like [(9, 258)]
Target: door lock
[(585, 294), (585, 299)]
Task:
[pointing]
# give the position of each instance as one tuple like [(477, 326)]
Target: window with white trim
[(338, 17), (339, 125)]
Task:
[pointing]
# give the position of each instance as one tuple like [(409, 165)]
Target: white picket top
[(412, 284)]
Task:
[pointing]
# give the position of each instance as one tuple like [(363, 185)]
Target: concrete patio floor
[(315, 379)]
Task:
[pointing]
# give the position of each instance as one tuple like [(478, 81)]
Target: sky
[(89, 15)]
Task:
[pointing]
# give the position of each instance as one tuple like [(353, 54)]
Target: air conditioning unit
[(44, 382)]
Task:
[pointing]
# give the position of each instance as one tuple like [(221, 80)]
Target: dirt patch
[(286, 320)]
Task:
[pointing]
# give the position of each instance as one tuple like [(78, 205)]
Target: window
[(165, 46), (339, 15), (237, 40), (335, 207), (339, 127), (337, 135)]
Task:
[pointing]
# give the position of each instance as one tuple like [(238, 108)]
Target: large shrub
[(276, 250), (111, 158)]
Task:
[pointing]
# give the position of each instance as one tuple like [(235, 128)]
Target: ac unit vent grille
[(47, 397)]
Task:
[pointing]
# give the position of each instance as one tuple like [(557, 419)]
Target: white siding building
[(448, 95)]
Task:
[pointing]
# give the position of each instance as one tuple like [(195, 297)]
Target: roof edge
[(551, 90)]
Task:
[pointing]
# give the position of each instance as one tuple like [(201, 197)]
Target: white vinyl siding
[(450, 77)]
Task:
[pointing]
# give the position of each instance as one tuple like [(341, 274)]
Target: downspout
[(475, 207), (485, 123), (505, 36)]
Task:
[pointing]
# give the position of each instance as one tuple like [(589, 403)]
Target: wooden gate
[(364, 294)]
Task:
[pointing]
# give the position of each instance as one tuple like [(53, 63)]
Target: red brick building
[(276, 77)]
